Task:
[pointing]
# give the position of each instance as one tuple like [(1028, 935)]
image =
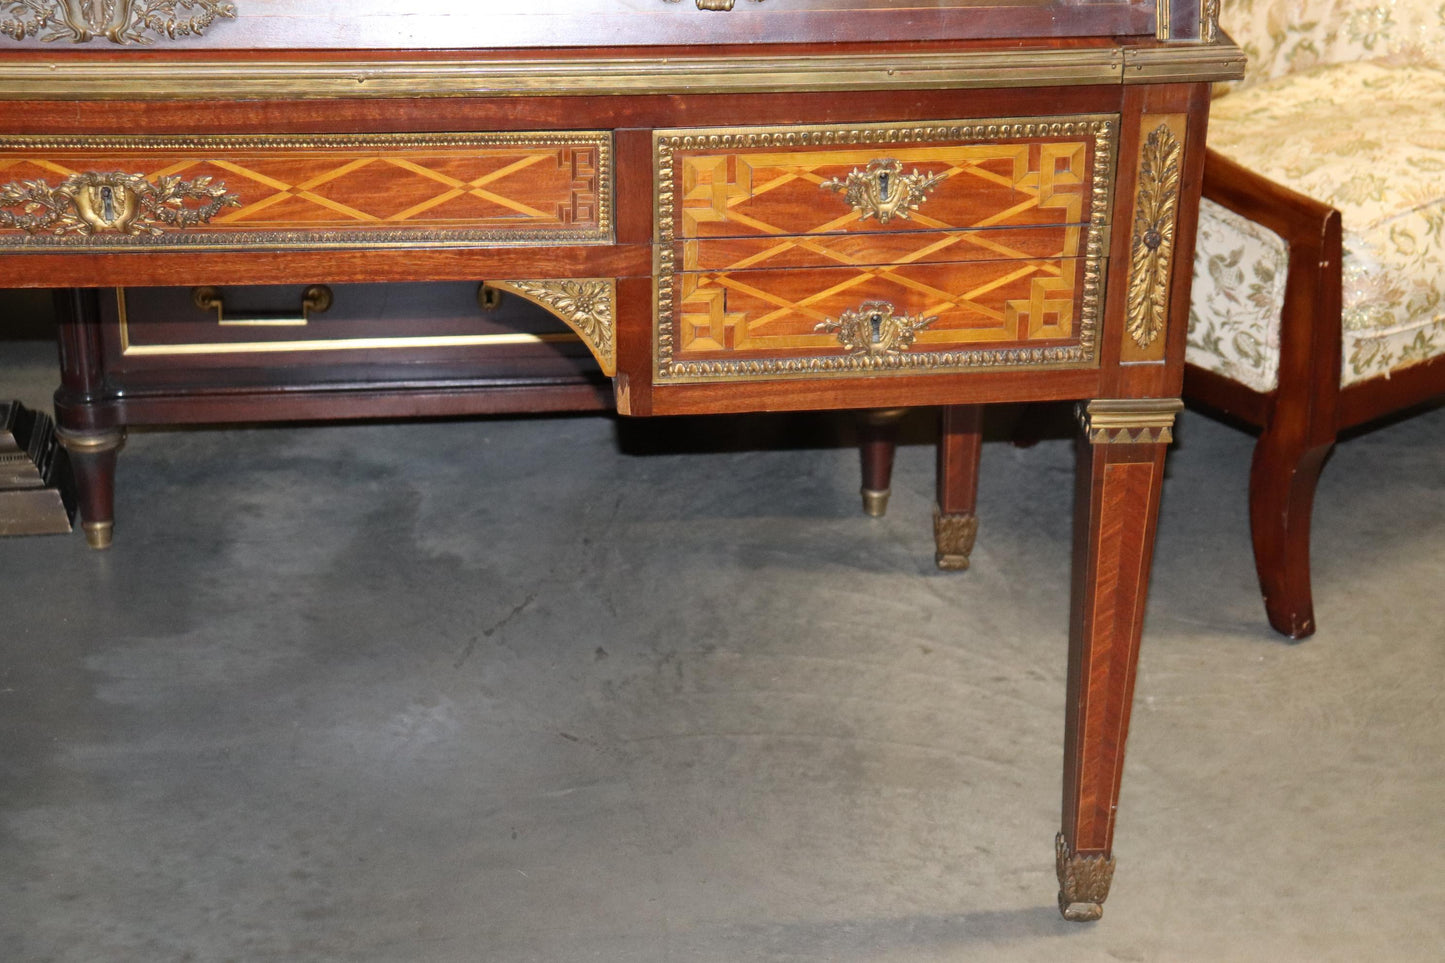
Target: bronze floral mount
[(119, 21), (96, 203), (875, 329)]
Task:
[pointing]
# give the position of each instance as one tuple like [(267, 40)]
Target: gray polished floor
[(568, 689)]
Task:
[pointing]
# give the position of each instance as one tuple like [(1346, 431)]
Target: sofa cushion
[(1282, 36), (1369, 139)]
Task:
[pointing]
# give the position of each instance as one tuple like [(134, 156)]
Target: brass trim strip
[(1181, 63), (130, 350), (64, 79), (351, 344)]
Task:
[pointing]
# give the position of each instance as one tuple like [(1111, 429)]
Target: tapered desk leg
[(1120, 474), (878, 443), (955, 517), (92, 460), (84, 422)]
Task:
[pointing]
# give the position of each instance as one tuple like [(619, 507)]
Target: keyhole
[(876, 321), (107, 203), (885, 181)]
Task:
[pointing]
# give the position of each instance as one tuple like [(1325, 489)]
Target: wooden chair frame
[(1300, 420)]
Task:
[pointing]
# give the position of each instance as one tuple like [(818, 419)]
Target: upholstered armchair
[(1319, 286)]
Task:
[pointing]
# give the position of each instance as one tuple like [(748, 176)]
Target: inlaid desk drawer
[(874, 249), (278, 191), (1003, 183), (831, 318)]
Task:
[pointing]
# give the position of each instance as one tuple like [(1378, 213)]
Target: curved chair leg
[(955, 522), (877, 444), (1281, 496)]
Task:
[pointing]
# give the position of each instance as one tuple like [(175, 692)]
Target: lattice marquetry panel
[(998, 184), (766, 314), (832, 251), (274, 191)]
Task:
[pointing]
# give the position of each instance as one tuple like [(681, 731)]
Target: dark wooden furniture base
[(1301, 419), (736, 205), (37, 495)]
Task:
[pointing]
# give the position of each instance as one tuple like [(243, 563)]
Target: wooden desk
[(843, 216)]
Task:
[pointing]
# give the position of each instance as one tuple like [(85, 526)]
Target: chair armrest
[(1310, 337)]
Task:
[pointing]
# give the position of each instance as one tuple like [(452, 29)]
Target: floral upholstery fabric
[(1239, 275), (1367, 138), (1286, 36)]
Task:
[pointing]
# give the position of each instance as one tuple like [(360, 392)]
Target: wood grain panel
[(446, 24), (317, 191)]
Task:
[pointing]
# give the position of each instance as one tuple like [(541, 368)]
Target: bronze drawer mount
[(119, 21), (712, 4), (875, 329), (883, 191), (114, 202)]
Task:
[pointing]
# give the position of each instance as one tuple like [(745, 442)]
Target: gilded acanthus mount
[(1151, 250)]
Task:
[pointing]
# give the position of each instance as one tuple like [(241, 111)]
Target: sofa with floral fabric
[(1319, 288)]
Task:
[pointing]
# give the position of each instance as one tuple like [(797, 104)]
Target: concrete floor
[(507, 691)]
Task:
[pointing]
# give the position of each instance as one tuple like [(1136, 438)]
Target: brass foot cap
[(875, 502), (953, 537), (99, 534), (1080, 912)]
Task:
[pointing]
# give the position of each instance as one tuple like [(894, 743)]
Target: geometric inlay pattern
[(760, 257), (346, 190)]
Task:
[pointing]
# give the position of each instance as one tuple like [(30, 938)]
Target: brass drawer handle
[(315, 299), (883, 191), (712, 4), (875, 329)]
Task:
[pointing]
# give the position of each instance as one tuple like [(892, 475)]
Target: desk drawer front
[(839, 252), (752, 320), (274, 191), (1001, 183)]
